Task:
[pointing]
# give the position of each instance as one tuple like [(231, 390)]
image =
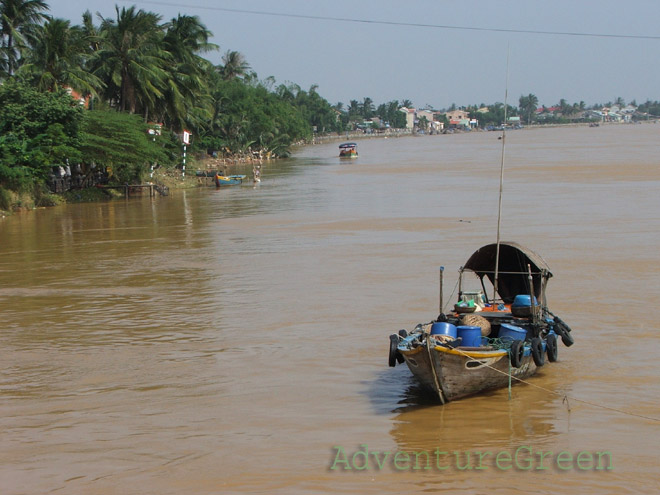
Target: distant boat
[(348, 150), (228, 180)]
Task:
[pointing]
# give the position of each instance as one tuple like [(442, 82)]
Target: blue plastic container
[(444, 328), (471, 336), (512, 332), (523, 300)]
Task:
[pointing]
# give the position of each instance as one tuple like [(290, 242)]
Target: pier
[(153, 188)]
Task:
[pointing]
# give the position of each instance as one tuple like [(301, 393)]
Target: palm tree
[(17, 19), (528, 105), (57, 58), (565, 108), (353, 108), (186, 92), (367, 107), (90, 31), (234, 65), (132, 60)]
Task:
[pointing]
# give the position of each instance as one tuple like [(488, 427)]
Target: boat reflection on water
[(486, 422)]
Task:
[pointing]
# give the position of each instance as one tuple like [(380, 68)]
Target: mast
[(499, 207)]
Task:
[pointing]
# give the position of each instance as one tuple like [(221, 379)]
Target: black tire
[(517, 353), (564, 332), (537, 352), (566, 337), (561, 323), (551, 347), (403, 333), (394, 349)]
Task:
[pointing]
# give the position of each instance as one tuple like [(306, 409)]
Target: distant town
[(493, 117)]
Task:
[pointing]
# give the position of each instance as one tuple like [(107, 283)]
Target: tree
[(354, 109), (132, 60), (58, 57), (367, 108), (186, 100), (120, 140), (234, 65), (37, 130), (528, 105), (17, 19)]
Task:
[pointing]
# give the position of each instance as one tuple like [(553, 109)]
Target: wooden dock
[(153, 189)]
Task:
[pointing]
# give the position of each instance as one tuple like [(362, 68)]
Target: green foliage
[(650, 107), (120, 141), (250, 117), (528, 105), (390, 113), (5, 199), (27, 112), (37, 130)]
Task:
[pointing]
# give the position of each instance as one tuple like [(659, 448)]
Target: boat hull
[(461, 373), (229, 180)]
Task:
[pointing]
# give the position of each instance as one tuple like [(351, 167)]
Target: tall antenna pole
[(499, 208)]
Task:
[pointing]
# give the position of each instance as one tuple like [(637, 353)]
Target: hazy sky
[(404, 53)]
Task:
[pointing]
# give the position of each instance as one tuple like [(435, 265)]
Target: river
[(235, 340)]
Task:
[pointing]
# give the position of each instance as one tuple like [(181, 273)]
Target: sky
[(432, 52)]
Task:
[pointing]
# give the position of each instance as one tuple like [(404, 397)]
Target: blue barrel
[(523, 300), (512, 332), (471, 335), (444, 328)]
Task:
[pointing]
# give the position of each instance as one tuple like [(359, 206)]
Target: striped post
[(184, 161)]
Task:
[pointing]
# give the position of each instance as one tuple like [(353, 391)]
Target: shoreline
[(173, 178)]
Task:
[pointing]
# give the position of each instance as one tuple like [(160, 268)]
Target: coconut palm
[(528, 105), (17, 19), (234, 65), (132, 61), (353, 108), (57, 58), (367, 107), (186, 96), (90, 31)]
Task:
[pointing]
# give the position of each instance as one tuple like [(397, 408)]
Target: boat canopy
[(348, 145), (513, 273)]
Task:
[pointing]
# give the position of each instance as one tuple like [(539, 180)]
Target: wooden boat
[(228, 180), (482, 342), (348, 150)]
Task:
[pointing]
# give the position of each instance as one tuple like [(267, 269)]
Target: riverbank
[(173, 178)]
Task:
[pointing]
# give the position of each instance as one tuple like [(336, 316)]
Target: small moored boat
[(481, 342), (228, 180), (348, 150)]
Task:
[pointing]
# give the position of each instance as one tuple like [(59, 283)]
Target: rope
[(451, 296), (565, 397), (435, 376)]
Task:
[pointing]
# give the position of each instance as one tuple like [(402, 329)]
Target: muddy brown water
[(235, 340)]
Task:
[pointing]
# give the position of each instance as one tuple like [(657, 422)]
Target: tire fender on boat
[(567, 339), (551, 347), (564, 332), (395, 355), (516, 353), (537, 351)]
